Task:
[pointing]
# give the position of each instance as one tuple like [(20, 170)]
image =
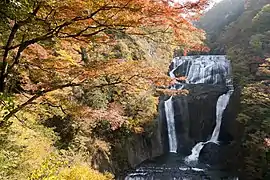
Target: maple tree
[(44, 43), (72, 69)]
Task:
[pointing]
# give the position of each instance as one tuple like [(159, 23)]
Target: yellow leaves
[(66, 167), (34, 144), (264, 69), (63, 55), (141, 109), (256, 94), (138, 130), (82, 172)]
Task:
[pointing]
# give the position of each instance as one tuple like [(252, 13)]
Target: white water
[(200, 69), (195, 152), (171, 125), (222, 103), (169, 111), (207, 70)]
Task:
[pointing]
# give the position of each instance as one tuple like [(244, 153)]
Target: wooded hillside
[(78, 80), (241, 29)]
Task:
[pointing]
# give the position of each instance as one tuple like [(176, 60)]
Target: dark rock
[(221, 156), (142, 148), (231, 130), (210, 154), (194, 115)]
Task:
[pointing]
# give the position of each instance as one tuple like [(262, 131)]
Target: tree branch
[(5, 55), (15, 28), (55, 106), (41, 93), (83, 35)]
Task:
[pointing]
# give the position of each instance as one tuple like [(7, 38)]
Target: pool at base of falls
[(172, 167)]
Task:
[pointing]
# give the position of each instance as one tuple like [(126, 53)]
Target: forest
[(80, 79), (242, 32)]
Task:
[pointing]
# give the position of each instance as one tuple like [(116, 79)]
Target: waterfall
[(171, 125), (195, 152), (169, 112), (204, 70), (208, 80), (222, 103), (211, 69)]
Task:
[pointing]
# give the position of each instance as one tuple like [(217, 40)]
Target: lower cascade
[(222, 103), (195, 127)]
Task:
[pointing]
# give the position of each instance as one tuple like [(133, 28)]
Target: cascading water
[(169, 111), (171, 125), (202, 74), (222, 103), (209, 72)]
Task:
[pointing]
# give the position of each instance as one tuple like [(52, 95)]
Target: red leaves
[(36, 51), (113, 114), (79, 17)]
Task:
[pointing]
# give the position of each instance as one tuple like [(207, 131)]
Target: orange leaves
[(80, 18), (175, 80), (183, 78), (60, 29), (36, 51), (114, 115)]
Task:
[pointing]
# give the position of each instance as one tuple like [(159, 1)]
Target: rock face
[(207, 78), (142, 148), (195, 117)]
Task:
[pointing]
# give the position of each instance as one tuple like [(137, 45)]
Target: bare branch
[(55, 106)]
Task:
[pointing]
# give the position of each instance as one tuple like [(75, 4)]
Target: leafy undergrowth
[(28, 151)]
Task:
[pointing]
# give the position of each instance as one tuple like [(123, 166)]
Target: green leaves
[(255, 113), (7, 104), (262, 19)]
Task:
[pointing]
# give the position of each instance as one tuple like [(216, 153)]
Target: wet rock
[(210, 154)]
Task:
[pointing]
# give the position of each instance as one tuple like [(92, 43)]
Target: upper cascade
[(202, 69)]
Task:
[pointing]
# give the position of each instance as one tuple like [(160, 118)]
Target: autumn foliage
[(78, 80), (45, 42)]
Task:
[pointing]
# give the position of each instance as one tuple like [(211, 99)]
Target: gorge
[(86, 92), (196, 130)]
